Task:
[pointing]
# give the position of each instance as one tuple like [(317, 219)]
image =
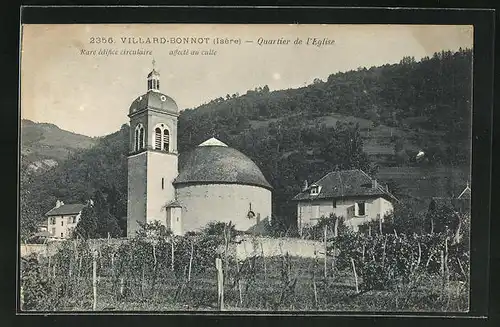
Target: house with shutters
[(351, 194), (62, 219)]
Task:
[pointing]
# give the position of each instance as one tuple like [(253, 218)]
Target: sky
[(64, 83)]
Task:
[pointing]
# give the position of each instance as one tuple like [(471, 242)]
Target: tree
[(96, 221), (88, 225)]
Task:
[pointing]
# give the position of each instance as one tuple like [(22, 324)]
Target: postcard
[(245, 168)]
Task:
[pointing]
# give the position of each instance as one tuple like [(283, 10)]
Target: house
[(63, 218), (351, 194)]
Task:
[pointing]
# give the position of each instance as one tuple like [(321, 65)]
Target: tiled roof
[(344, 183), (173, 204), (218, 164), (66, 209)]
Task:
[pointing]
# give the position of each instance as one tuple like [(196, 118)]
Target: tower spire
[(154, 78)]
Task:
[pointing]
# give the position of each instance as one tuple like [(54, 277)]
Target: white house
[(351, 194), (63, 218)]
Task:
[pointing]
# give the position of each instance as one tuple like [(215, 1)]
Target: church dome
[(215, 162), (154, 100)]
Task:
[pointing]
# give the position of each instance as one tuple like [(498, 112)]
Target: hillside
[(411, 105), (46, 145), (374, 119)]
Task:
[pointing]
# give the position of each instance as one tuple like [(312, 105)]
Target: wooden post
[(190, 260), (238, 276), (383, 250), (419, 254), (446, 272), (94, 279), (264, 260), (326, 256), (143, 279), (154, 254), (172, 254), (220, 284), (315, 291), (442, 264), (355, 275), (122, 287)]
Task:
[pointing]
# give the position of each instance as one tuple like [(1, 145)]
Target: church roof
[(153, 100), (214, 162)]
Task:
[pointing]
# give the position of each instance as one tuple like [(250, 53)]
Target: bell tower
[(153, 157)]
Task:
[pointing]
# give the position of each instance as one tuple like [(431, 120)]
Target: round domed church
[(185, 192)]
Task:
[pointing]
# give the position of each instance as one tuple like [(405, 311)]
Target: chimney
[(59, 203), (306, 185), (374, 183)]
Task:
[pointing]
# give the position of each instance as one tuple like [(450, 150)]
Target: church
[(184, 192)]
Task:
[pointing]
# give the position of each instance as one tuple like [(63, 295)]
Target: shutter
[(166, 140), (157, 138), (141, 138)]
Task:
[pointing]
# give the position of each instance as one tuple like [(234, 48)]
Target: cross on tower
[(154, 62)]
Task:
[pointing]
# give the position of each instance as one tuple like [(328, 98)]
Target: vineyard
[(374, 271)]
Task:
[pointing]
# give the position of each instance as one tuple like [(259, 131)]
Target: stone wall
[(202, 204), (249, 246)]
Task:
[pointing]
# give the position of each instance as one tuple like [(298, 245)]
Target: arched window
[(136, 140), (141, 138), (166, 140), (161, 138), (139, 141), (157, 138)]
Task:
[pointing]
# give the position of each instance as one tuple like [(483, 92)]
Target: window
[(166, 140), (314, 190), (161, 138), (136, 140), (73, 219), (52, 220), (62, 235), (139, 138), (62, 222), (361, 208), (53, 232), (162, 183), (315, 210), (334, 203), (157, 138)]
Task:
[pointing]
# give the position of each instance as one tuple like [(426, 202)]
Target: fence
[(179, 273)]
